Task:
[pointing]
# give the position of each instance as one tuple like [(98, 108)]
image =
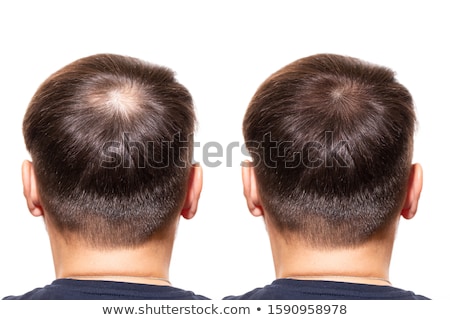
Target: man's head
[(111, 142), (331, 138)]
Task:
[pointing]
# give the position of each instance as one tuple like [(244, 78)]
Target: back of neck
[(368, 263)]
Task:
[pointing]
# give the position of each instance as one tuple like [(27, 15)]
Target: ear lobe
[(251, 193), (415, 182), (30, 189), (195, 186)]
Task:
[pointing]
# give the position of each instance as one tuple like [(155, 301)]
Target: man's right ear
[(195, 186), (251, 193), (30, 189), (413, 192)]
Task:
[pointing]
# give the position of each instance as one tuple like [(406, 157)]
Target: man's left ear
[(30, 189), (413, 192), (251, 193), (194, 190)]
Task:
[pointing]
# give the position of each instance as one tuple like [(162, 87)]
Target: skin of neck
[(74, 258), (367, 263)]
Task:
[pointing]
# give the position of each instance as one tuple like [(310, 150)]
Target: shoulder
[(68, 289), (274, 291), (289, 289)]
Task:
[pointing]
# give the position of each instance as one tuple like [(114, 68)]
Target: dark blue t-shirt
[(69, 289), (290, 289)]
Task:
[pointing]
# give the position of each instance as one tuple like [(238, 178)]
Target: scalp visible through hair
[(342, 92), (121, 98), (346, 99)]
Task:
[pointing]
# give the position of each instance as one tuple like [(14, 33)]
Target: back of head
[(111, 141), (331, 139)]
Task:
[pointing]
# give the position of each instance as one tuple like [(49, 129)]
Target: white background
[(221, 51)]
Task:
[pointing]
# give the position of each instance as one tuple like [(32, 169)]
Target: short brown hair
[(331, 139), (111, 141)]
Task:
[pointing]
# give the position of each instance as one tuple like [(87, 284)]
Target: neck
[(367, 263), (147, 263)]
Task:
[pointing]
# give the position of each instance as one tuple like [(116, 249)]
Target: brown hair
[(331, 139), (111, 141)]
